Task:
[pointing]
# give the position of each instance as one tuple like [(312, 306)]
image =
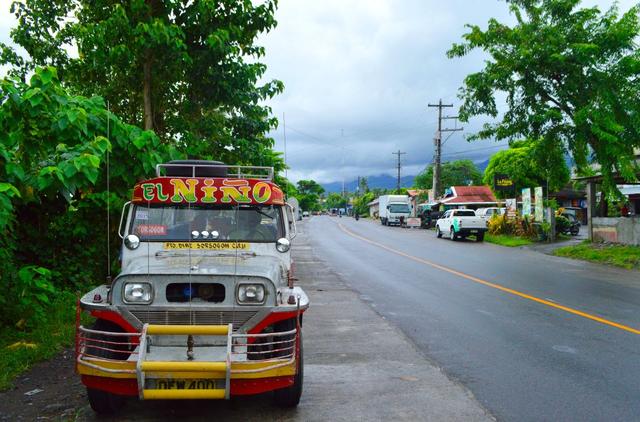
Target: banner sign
[(526, 202), (539, 212), (512, 207), (502, 182), (207, 190)]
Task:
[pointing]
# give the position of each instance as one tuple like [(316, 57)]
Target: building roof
[(467, 195), (416, 192), (374, 202)]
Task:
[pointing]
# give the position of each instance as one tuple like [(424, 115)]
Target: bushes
[(518, 226)]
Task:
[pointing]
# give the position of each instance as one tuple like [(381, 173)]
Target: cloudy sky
[(358, 76)]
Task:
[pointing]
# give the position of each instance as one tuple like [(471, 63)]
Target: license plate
[(474, 231), (185, 384)]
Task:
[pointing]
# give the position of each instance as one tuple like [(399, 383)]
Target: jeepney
[(205, 305)]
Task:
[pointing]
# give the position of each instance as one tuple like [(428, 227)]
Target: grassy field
[(618, 255), (505, 240), (19, 350)]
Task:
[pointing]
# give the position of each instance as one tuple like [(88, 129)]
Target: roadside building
[(620, 224), (573, 201), (374, 208), (472, 197), (414, 195)]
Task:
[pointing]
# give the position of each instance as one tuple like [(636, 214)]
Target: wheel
[(438, 232), (452, 233), (479, 237), (290, 396), (103, 402)]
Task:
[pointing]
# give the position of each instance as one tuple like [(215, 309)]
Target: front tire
[(290, 396), (103, 402), (438, 232)]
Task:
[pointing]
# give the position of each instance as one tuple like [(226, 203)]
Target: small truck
[(460, 223), (394, 209), (205, 305)]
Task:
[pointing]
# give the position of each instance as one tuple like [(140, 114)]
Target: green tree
[(453, 173), (53, 201), (309, 192), (335, 200), (570, 76), (528, 164), (360, 204), (306, 187), (187, 70)]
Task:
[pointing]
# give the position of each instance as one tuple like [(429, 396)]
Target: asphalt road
[(534, 337)]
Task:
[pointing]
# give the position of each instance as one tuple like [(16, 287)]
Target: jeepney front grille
[(196, 317)]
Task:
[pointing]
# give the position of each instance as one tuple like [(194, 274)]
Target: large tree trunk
[(146, 93)]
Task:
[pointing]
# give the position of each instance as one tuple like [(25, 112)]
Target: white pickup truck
[(460, 224)]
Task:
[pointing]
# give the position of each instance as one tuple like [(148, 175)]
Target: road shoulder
[(359, 366)]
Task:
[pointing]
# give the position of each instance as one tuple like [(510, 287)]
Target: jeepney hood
[(266, 266)]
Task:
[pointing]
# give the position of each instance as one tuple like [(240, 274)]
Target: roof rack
[(224, 170)]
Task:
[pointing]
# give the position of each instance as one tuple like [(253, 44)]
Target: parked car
[(487, 213), (305, 213), (460, 224)]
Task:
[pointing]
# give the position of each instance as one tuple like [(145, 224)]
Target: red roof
[(470, 195)]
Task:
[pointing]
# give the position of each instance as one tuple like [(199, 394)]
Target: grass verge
[(19, 350), (624, 256), (506, 240)]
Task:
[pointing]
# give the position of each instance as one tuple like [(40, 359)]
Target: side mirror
[(283, 245)]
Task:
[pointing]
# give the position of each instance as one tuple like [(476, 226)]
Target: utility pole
[(284, 135), (342, 136), (438, 146), (399, 153)]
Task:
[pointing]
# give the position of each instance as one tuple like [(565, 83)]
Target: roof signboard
[(207, 190)]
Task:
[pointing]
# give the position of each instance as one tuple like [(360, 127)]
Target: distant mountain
[(482, 165), (383, 181)]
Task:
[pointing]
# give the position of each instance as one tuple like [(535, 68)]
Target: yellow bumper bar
[(205, 330), (152, 366)]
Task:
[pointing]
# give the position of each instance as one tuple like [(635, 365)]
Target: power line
[(474, 149)]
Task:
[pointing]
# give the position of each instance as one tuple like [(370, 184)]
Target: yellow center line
[(493, 285)]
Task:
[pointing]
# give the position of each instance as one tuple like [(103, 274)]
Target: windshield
[(469, 213), (242, 223), (399, 208)]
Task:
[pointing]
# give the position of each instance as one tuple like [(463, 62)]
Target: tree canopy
[(453, 173), (570, 76), (177, 68), (53, 198), (308, 195), (522, 163)]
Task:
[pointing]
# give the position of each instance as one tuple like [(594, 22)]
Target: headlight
[(250, 293), (137, 293)]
